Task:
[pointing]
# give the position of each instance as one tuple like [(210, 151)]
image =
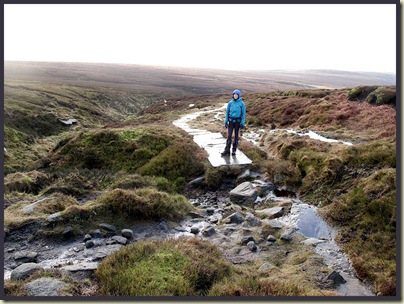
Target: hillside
[(106, 192)]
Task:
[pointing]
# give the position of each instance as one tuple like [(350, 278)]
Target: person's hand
[(226, 125), (241, 127)]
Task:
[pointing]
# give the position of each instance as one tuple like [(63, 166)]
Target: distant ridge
[(181, 81)]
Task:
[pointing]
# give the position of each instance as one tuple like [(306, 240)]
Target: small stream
[(310, 224)]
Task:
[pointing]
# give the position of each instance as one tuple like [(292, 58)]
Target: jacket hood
[(236, 92)]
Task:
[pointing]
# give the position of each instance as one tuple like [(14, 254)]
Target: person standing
[(235, 120)]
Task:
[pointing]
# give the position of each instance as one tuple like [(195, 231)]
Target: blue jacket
[(235, 110)]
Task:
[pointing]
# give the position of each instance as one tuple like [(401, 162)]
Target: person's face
[(235, 96)]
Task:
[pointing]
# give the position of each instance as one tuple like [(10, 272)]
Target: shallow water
[(311, 225), (313, 135)]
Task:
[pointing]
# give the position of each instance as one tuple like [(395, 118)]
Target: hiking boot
[(224, 153), (233, 153)]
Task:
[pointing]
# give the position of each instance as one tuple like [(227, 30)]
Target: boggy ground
[(138, 169)]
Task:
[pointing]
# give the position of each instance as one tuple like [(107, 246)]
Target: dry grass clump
[(29, 182)]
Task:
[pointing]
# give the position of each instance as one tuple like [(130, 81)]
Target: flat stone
[(236, 218), (54, 217), (312, 241), (246, 239), (107, 227), (81, 270), (252, 220), (120, 239), (244, 194), (45, 287), (276, 224), (26, 256), (197, 181), (103, 252), (271, 213), (23, 271)]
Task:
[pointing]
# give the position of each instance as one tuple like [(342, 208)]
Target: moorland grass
[(182, 267)]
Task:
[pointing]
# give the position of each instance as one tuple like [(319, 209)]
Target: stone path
[(213, 143)]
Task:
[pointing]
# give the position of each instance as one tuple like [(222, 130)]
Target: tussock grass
[(15, 217), (29, 182), (181, 267)]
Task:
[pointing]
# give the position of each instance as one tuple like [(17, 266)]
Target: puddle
[(312, 135), (311, 225)]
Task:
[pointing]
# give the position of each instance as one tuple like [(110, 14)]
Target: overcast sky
[(234, 36)]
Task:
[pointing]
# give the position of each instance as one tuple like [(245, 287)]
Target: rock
[(30, 208), (70, 121), (97, 234), (90, 244), (45, 287), (243, 177), (276, 224), (208, 231), (103, 252), (197, 181), (288, 234), (265, 187), (271, 238), (194, 215), (246, 239), (81, 270), (271, 213), (213, 219), (23, 271), (107, 227), (264, 267), (68, 233), (336, 278), (235, 218), (252, 246), (128, 233), (252, 220), (194, 230), (54, 217), (312, 241), (180, 229), (87, 237), (120, 239), (163, 226), (26, 256), (244, 194), (210, 211), (78, 247)]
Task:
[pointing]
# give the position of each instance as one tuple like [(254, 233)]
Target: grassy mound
[(183, 267), (30, 182), (376, 95)]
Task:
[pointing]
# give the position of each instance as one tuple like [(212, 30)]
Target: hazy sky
[(234, 36)]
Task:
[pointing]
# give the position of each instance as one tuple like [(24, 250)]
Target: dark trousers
[(236, 127)]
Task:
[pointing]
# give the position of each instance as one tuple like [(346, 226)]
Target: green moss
[(176, 163), (162, 268), (361, 92), (382, 95)]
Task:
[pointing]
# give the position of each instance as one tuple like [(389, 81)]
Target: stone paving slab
[(213, 143)]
